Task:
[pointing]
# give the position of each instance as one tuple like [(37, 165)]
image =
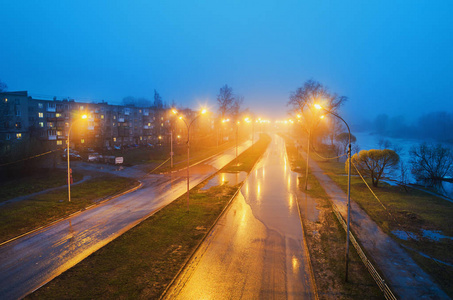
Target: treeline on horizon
[(431, 126)]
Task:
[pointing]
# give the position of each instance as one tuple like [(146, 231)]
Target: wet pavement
[(256, 250), (29, 262)]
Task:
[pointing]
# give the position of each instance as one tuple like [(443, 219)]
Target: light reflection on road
[(256, 249), (29, 262)]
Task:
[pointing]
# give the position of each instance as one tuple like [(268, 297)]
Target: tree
[(3, 87), (431, 163), (158, 100), (343, 140), (375, 164), (229, 104)]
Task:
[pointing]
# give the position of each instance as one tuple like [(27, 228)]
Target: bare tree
[(343, 140), (229, 104), (375, 164), (431, 163), (304, 98), (3, 87)]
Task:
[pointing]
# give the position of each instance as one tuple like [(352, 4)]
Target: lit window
[(6, 100), (58, 115), (59, 143), (18, 136), (82, 141), (102, 116), (114, 139), (114, 117), (141, 138), (41, 115), (50, 124), (81, 107), (59, 133), (149, 124), (41, 124), (162, 124)]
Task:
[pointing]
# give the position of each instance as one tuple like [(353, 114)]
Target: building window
[(59, 132), (81, 107), (40, 105), (102, 117), (8, 136), (18, 136), (58, 115), (82, 141), (50, 124), (59, 143), (18, 125), (17, 110), (41, 115), (41, 124), (114, 139), (6, 100)]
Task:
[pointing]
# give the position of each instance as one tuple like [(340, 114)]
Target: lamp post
[(188, 125), (349, 187), (67, 156)]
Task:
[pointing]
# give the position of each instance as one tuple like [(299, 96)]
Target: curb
[(74, 213)]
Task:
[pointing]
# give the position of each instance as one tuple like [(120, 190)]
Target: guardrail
[(388, 294)]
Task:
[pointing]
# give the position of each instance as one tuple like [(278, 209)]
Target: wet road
[(31, 261), (256, 250)]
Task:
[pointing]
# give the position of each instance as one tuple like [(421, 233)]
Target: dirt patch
[(326, 243)]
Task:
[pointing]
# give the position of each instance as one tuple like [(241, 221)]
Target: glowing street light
[(188, 125), (83, 117), (317, 106)]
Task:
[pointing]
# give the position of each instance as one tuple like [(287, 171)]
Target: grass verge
[(23, 216), (143, 261), (31, 184), (326, 241), (413, 211)]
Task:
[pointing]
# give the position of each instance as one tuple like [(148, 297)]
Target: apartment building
[(106, 126)]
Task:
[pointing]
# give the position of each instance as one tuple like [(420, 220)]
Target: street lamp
[(349, 186), (188, 125), (83, 117)]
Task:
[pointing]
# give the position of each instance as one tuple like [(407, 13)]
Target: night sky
[(393, 57)]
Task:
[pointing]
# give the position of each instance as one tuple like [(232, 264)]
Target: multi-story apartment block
[(106, 126)]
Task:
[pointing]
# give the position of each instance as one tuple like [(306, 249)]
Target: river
[(366, 141)]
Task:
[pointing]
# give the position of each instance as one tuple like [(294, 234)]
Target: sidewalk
[(404, 276)]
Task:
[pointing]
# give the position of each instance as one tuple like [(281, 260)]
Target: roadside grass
[(247, 159), (35, 183), (23, 216), (326, 242), (412, 211), (142, 262)]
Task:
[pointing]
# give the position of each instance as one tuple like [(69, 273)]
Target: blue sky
[(392, 57)]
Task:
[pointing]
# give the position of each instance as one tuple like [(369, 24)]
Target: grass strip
[(46, 179), (326, 241), (23, 216), (413, 211), (143, 261)]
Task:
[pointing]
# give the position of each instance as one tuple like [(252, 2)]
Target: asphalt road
[(33, 260), (256, 250)]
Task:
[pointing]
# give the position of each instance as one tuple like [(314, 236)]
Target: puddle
[(405, 235), (225, 178), (434, 235)]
